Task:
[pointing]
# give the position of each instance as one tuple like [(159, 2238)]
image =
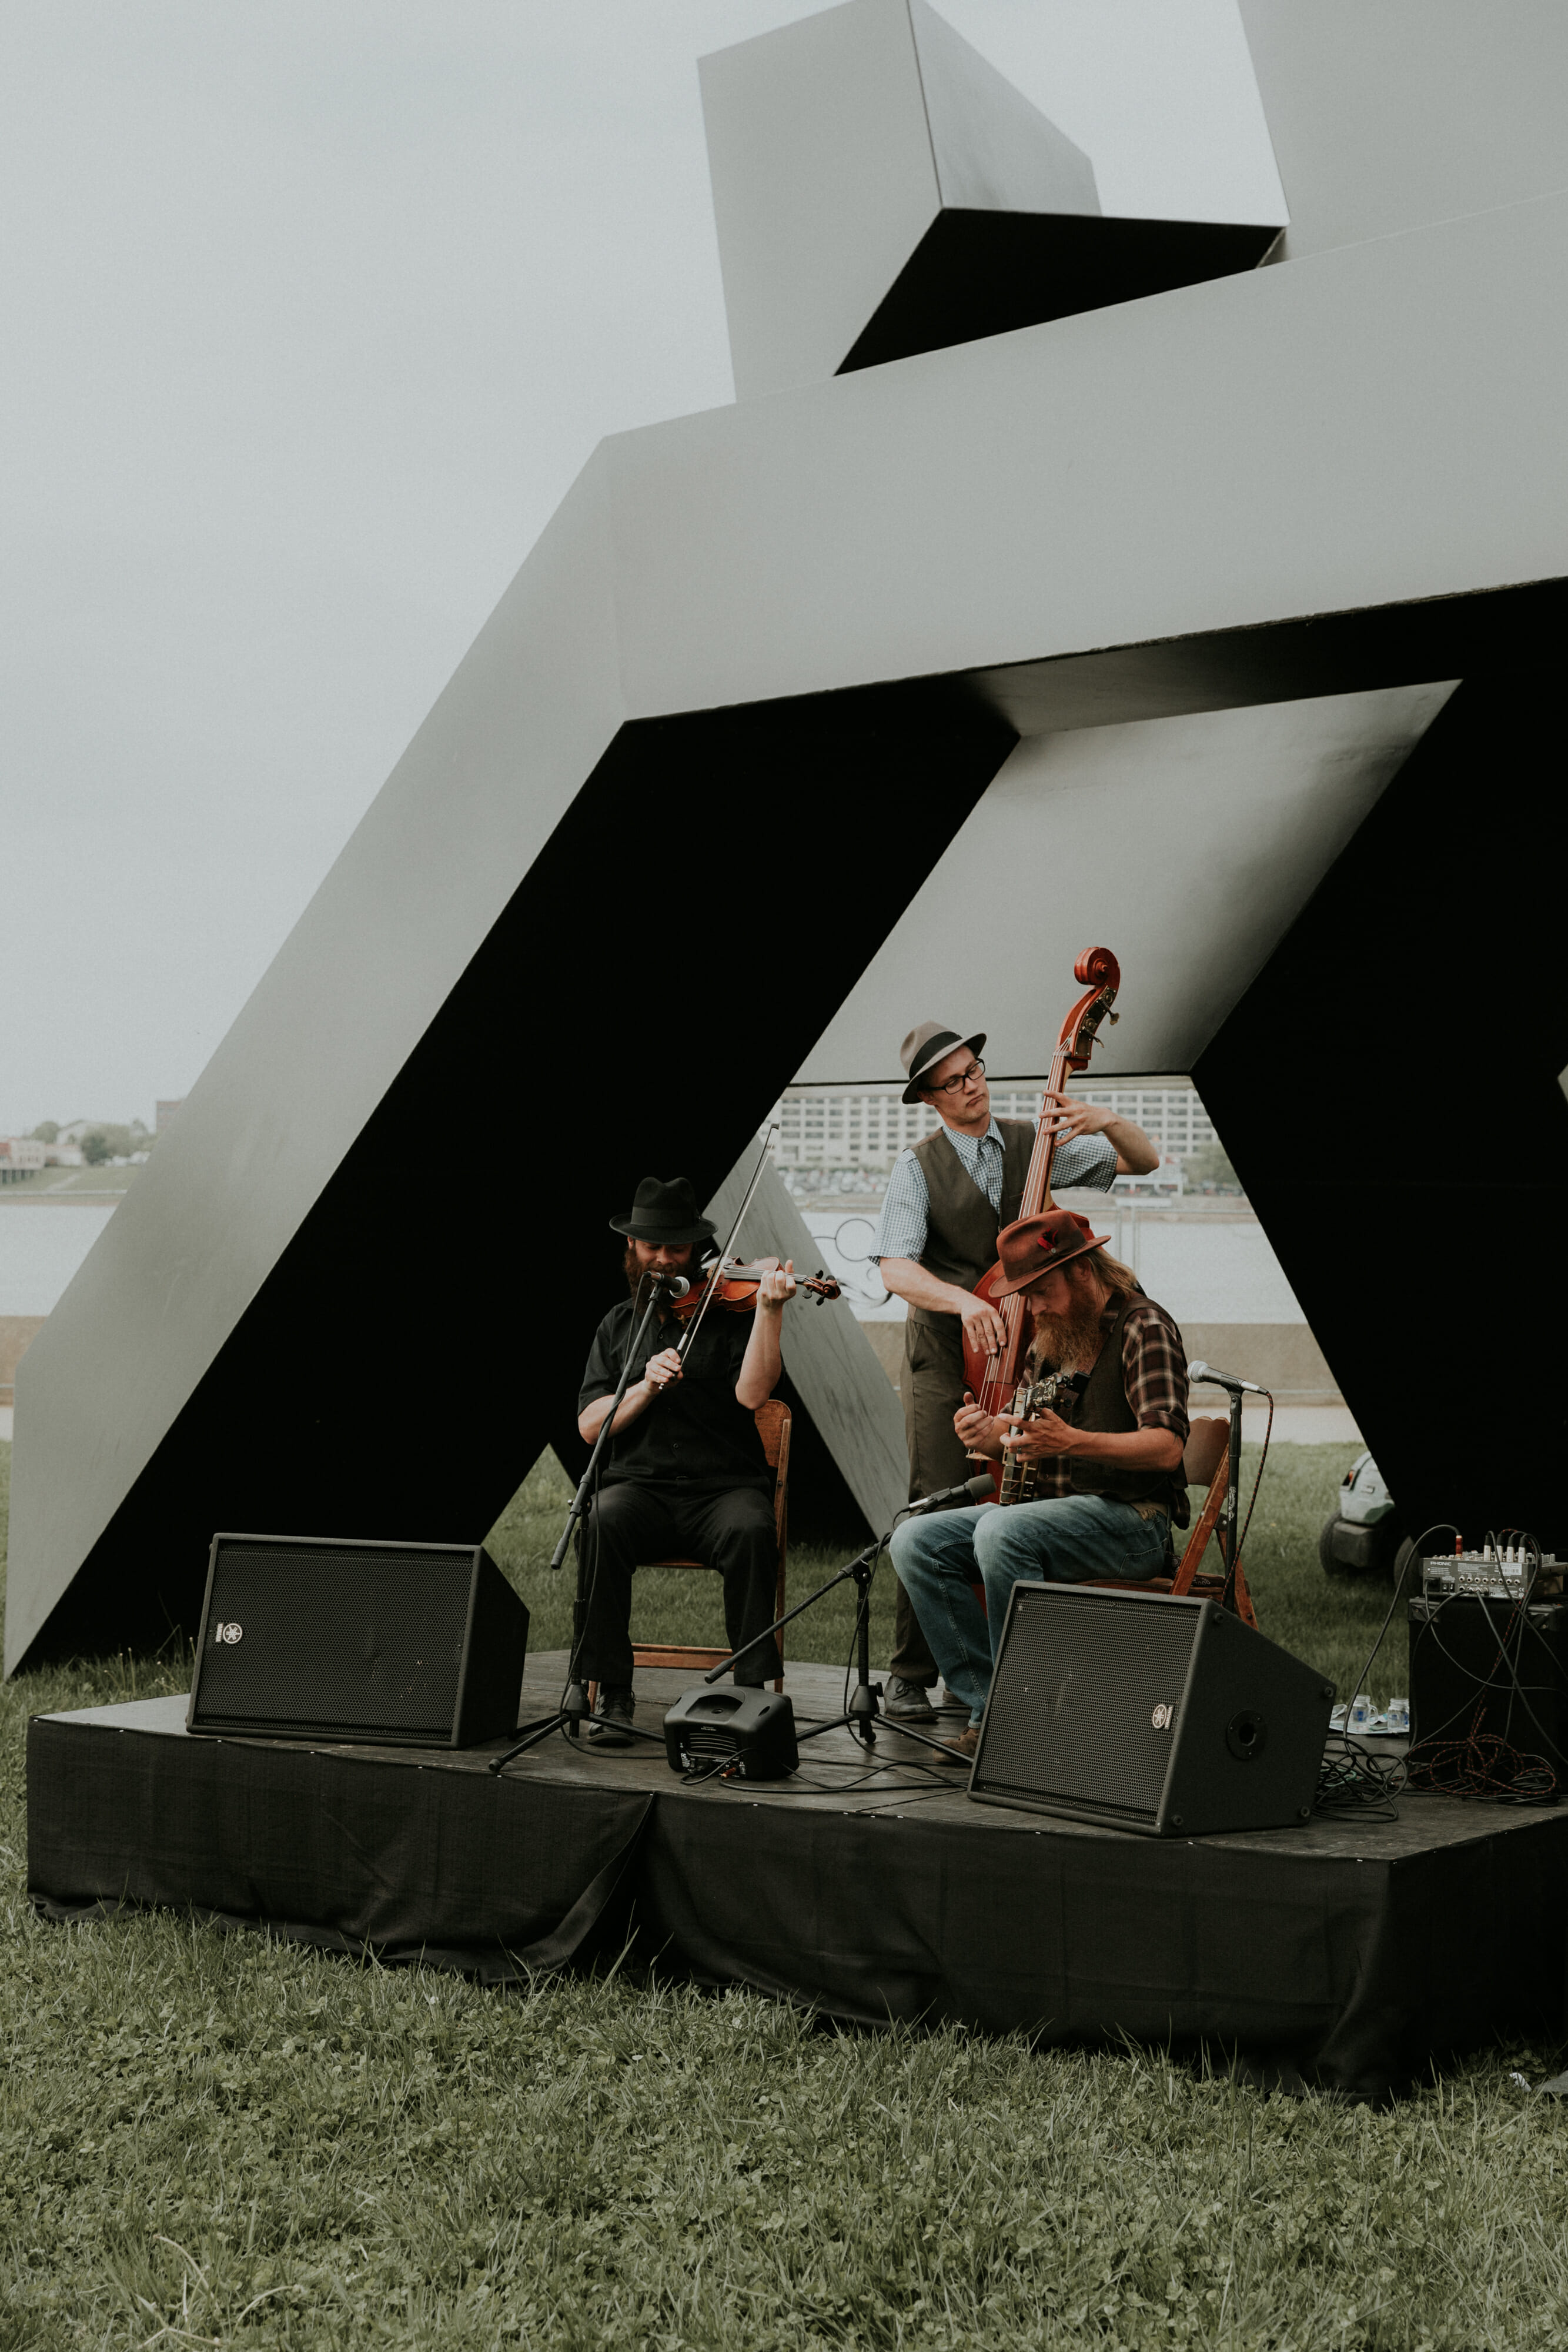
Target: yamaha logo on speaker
[(1163, 1717), (229, 1632)]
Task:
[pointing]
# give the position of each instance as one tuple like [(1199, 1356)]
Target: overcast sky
[(314, 308)]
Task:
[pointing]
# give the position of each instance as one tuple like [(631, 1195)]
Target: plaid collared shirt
[(1153, 1374)]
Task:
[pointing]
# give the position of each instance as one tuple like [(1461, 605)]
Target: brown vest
[(961, 1235), (1104, 1405)]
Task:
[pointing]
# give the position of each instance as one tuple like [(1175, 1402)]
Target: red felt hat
[(1038, 1246)]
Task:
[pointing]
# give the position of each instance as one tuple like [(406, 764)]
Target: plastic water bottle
[(1361, 1712), (1399, 1717)]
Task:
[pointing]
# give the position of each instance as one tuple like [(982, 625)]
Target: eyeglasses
[(969, 1078)]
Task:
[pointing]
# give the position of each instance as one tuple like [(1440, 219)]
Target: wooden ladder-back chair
[(1207, 1462), (773, 1427)]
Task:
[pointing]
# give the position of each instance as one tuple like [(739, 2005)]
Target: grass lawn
[(101, 1184), (211, 2139)]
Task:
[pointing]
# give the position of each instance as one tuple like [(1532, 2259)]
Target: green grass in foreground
[(211, 2139)]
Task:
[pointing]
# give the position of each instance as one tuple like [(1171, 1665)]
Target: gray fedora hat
[(665, 1212), (927, 1045)]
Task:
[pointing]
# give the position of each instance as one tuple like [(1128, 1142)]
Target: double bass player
[(947, 1199)]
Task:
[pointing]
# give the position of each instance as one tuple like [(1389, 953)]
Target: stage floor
[(1345, 1953)]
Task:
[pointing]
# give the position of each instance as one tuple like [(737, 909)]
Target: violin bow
[(728, 1249)]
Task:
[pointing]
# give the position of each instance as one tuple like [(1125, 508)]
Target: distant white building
[(828, 1127), (866, 1127), (20, 1155)]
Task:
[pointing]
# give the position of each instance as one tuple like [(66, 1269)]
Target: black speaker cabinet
[(405, 1643), (1470, 1653), (1145, 1712)]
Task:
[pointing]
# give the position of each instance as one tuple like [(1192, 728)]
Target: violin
[(993, 1378), (735, 1287)]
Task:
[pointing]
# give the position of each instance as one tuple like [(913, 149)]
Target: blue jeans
[(1066, 1540)]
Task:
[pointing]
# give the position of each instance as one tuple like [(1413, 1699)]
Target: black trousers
[(631, 1525)]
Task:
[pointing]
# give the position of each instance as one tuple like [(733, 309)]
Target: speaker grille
[(363, 1638), (1071, 1712)]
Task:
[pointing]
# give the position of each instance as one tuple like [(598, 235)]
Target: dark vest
[(1104, 1405), (961, 1235)]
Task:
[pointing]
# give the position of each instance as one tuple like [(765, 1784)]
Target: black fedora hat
[(927, 1045), (665, 1212)]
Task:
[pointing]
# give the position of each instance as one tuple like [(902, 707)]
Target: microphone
[(973, 1490), (674, 1285), (1195, 1373)]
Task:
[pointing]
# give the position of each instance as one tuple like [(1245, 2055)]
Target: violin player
[(1109, 1480), (684, 1473), (947, 1199)]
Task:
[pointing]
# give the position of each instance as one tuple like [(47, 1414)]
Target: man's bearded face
[(1072, 1336), (644, 1256)]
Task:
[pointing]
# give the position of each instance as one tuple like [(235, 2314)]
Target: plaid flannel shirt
[(1153, 1373)]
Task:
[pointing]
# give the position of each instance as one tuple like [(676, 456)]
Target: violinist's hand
[(1037, 1440), (1068, 1117), (976, 1429), (663, 1370), (774, 1288), (983, 1327)]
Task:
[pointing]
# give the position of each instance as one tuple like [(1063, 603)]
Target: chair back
[(1204, 1451), (773, 1427), (772, 1421)]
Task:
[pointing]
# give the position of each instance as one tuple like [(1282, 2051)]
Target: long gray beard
[(1071, 1342)]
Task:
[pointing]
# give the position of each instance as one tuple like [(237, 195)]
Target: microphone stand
[(864, 1710), (573, 1710), (1230, 1513)]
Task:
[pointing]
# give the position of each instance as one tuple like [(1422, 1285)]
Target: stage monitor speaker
[(1149, 1713), (392, 1644), (750, 1733)]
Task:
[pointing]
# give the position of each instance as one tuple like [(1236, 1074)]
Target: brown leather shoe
[(962, 1750)]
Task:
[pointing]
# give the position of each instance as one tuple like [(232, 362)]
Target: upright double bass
[(993, 1378)]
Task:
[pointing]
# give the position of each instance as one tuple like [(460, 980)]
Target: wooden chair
[(773, 1427), (1206, 1462)]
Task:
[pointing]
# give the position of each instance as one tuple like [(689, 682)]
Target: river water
[(1204, 1270), (40, 1249)]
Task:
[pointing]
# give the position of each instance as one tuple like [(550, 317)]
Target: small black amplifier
[(326, 1638), (750, 1732), (1472, 1652), (1148, 1712)]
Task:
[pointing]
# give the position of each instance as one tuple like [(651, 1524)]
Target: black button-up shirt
[(693, 1434)]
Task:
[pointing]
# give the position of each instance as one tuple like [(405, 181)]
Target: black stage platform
[(1343, 1954)]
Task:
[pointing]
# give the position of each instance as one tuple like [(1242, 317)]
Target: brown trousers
[(933, 1387)]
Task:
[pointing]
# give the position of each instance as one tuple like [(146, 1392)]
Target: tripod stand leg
[(569, 1715), (864, 1710)]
